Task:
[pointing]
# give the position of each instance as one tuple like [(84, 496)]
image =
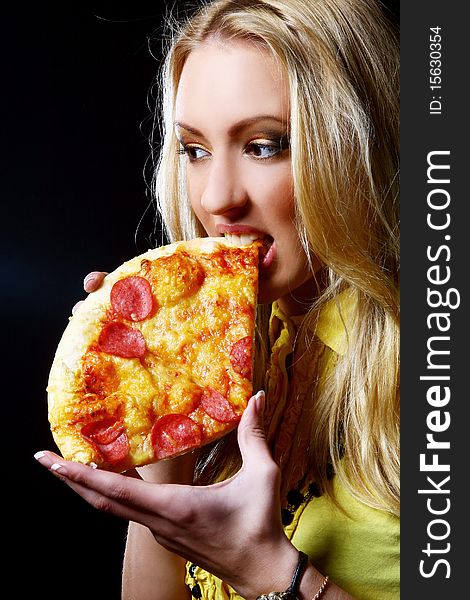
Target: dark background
[(75, 86)]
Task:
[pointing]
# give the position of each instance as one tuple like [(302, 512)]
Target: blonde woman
[(280, 121)]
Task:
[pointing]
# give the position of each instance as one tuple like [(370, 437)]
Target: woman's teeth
[(241, 240)]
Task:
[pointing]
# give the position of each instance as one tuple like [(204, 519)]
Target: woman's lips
[(238, 229)]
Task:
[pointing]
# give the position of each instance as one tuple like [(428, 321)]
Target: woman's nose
[(223, 191)]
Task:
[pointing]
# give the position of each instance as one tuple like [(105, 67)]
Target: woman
[(280, 119)]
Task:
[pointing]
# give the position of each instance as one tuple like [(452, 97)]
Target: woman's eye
[(194, 152), (264, 150)]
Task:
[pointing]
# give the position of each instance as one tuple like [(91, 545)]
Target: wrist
[(272, 569), (276, 574), (292, 592)]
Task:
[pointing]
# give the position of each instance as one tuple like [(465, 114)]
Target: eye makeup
[(264, 146)]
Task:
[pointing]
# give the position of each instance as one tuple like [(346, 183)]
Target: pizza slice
[(157, 361)]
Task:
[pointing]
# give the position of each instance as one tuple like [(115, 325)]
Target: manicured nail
[(39, 455), (90, 276), (259, 402), (58, 468), (90, 280)]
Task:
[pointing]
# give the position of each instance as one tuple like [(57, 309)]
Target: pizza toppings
[(132, 299), (109, 437), (241, 357), (218, 407), (173, 434), (122, 340), (174, 277)]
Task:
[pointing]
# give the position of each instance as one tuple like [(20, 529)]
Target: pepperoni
[(218, 407), (109, 437), (240, 357), (174, 433), (121, 340), (132, 298)]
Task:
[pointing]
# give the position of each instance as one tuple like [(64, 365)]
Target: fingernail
[(39, 455), (58, 468), (259, 402), (89, 279)]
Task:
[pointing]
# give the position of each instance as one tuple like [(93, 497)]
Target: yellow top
[(358, 548)]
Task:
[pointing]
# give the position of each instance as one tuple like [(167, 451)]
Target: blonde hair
[(341, 60)]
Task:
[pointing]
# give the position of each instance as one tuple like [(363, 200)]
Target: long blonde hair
[(341, 60)]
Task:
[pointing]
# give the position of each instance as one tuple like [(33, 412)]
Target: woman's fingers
[(251, 436), (166, 509), (103, 502), (93, 280), (126, 497), (90, 284)]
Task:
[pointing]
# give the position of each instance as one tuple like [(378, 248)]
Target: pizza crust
[(80, 334)]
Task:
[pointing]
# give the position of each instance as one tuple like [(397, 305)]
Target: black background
[(75, 87)]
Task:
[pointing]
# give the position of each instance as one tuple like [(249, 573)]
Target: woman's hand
[(232, 529)]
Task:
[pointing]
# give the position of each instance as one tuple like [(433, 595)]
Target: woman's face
[(232, 112)]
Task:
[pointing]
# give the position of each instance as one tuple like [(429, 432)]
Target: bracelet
[(291, 592), (322, 587)]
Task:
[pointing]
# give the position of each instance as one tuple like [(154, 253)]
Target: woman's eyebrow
[(236, 127), (181, 125)]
